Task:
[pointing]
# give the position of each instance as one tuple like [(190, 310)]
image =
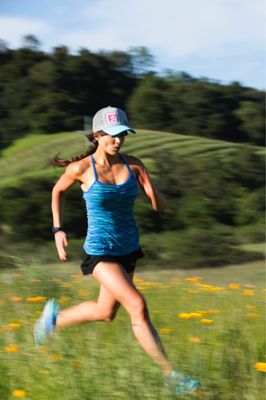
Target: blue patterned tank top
[(112, 229)]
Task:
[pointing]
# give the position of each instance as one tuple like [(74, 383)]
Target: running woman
[(109, 181)]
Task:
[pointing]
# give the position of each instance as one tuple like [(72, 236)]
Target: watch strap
[(56, 229)]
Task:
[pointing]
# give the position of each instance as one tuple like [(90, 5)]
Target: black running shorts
[(127, 261)]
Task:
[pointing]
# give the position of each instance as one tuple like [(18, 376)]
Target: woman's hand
[(61, 243)]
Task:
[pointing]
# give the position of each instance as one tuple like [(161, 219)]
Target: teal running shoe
[(182, 384), (45, 325)]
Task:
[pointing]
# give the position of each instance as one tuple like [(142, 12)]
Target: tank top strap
[(94, 167), (126, 164)]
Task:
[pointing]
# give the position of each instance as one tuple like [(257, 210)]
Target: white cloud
[(206, 33), (177, 27), (12, 29)]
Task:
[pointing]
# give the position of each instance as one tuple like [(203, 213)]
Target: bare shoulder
[(135, 163), (77, 168)]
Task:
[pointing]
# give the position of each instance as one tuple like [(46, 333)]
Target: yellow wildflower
[(195, 315), (19, 394), (165, 331), (209, 288), (184, 315), (56, 357), (194, 279), (12, 348), (15, 298), (36, 299), (253, 315), (247, 292), (206, 321), (43, 350), (203, 285), (234, 286), (260, 366), (215, 289), (14, 325), (194, 339)]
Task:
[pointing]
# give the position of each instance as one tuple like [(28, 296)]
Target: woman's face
[(111, 144)]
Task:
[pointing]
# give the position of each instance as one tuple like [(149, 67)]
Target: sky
[(223, 40)]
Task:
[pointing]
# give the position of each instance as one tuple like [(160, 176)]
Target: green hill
[(31, 155)]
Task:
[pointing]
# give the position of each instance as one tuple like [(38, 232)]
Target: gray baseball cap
[(111, 120)]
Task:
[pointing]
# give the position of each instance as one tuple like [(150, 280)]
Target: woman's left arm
[(152, 193)]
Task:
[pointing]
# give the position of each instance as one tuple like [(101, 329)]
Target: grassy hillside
[(30, 155)]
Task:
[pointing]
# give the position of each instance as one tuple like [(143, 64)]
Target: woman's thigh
[(106, 299), (116, 284)]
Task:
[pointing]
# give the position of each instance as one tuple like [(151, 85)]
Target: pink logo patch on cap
[(112, 118)]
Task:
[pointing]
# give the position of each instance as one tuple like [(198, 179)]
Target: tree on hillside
[(147, 106), (181, 104), (252, 120), (121, 60), (31, 42), (142, 60), (50, 92)]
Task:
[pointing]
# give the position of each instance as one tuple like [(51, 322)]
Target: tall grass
[(212, 326)]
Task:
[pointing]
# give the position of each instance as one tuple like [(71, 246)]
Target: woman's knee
[(138, 309)]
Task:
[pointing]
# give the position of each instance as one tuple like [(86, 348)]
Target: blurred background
[(191, 77), (200, 136)]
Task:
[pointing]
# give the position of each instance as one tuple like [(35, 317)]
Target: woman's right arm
[(68, 179)]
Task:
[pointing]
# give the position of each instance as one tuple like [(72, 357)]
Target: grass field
[(210, 320)]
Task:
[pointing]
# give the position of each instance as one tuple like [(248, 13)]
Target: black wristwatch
[(56, 229)]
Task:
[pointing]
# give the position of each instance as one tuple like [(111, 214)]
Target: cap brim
[(115, 130)]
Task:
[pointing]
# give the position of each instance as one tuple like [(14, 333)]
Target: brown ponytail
[(59, 162)]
